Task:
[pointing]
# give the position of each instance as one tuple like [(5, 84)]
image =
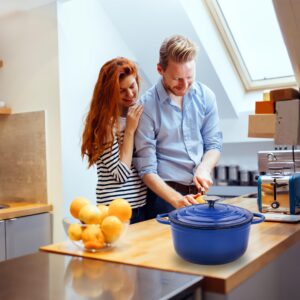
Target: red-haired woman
[(108, 135)]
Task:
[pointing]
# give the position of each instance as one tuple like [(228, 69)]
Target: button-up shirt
[(170, 141)]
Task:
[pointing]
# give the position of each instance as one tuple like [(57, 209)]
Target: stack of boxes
[(275, 116)]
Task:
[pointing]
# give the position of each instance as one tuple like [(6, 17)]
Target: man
[(178, 141)]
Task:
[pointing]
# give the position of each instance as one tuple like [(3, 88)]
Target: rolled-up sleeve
[(211, 133), (144, 158)]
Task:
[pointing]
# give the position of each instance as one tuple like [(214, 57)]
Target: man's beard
[(175, 91)]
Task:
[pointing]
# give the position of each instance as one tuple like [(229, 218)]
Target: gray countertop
[(52, 276)]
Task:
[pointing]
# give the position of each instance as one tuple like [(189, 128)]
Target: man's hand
[(202, 179), (186, 200)]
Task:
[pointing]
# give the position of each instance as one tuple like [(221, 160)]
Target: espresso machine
[(279, 179)]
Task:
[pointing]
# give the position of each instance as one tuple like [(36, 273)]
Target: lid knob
[(211, 200)]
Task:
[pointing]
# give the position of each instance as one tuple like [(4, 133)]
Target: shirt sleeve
[(145, 160), (111, 159), (211, 133)]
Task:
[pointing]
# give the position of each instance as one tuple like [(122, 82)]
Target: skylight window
[(252, 35)]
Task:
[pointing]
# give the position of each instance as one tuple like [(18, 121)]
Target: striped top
[(116, 180)]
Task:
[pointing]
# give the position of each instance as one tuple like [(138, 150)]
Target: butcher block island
[(271, 249)]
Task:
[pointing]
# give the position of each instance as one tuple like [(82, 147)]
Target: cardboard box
[(284, 94), (264, 107), (262, 125)]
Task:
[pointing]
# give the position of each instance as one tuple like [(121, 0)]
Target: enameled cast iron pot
[(210, 233)]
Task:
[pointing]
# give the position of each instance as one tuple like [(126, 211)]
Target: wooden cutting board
[(149, 244)]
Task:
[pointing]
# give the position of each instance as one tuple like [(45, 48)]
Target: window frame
[(236, 57)]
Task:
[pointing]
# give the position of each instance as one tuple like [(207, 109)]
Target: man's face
[(178, 77)]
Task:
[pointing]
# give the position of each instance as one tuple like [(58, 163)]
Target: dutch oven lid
[(211, 215)]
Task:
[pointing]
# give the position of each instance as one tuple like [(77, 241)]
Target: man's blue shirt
[(171, 141)]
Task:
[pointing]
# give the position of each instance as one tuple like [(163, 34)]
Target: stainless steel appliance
[(279, 193), (271, 160)]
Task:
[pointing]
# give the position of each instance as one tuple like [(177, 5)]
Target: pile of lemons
[(102, 224)]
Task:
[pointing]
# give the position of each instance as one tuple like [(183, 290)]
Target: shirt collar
[(163, 95)]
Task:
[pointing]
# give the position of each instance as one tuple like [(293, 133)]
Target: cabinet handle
[(11, 219)]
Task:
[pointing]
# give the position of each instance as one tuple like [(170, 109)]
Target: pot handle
[(260, 219), (161, 219)]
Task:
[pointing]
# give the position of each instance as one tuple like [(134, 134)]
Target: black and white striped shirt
[(116, 180)]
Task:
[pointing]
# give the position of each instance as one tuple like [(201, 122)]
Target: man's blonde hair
[(178, 49)]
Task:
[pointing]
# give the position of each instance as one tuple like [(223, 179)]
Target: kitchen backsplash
[(23, 157)]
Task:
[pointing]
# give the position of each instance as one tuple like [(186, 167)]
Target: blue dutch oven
[(210, 233)]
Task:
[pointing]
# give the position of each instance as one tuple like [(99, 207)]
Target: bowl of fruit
[(97, 227)]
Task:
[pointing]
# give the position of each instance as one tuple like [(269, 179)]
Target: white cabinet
[(24, 235), (2, 240)]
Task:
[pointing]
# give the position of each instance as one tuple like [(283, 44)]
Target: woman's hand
[(133, 116), (132, 120)]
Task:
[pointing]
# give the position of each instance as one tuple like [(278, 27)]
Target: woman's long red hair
[(104, 112)]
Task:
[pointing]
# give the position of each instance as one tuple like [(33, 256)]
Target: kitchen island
[(269, 269)]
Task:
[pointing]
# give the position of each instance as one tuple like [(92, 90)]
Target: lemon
[(77, 204), (75, 232), (112, 228), (120, 208)]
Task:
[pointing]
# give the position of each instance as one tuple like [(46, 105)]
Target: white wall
[(29, 82), (87, 38)]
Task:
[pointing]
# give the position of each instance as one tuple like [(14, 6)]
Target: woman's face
[(128, 91)]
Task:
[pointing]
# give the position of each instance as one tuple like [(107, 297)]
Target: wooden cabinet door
[(26, 234)]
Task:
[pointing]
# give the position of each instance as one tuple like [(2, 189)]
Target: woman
[(108, 135)]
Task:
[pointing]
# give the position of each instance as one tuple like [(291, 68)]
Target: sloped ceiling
[(143, 26), (13, 6)]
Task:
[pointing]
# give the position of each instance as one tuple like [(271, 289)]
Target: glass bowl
[(67, 222)]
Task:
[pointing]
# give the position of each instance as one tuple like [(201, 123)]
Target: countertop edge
[(26, 210)]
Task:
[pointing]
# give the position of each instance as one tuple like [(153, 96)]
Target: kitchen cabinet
[(2, 240), (24, 235)]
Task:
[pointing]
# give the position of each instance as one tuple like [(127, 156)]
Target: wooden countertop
[(22, 209), (149, 244)]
